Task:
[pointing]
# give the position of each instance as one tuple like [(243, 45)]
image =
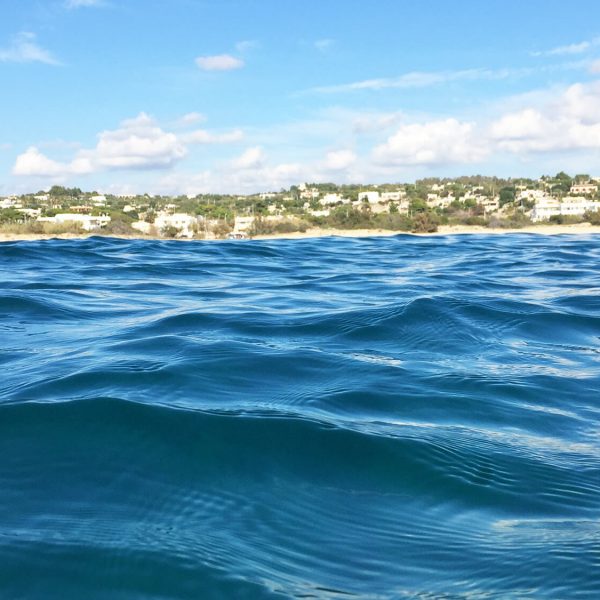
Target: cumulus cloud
[(556, 123), (569, 122), (432, 143), (33, 163), (24, 49), (201, 136), (139, 144), (339, 160), (219, 62)]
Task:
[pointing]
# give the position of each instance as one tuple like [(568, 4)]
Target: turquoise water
[(398, 417)]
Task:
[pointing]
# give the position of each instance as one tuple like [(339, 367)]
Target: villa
[(86, 222)]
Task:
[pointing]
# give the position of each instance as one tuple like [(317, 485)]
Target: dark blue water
[(395, 417)]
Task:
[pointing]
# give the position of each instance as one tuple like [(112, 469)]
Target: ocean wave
[(398, 417)]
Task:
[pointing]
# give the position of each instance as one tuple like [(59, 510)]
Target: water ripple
[(400, 417)]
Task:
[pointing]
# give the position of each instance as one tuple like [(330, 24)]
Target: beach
[(579, 229)]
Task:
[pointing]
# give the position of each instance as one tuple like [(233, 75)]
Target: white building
[(403, 206), (371, 197), (308, 193), (184, 223), (490, 205), (10, 203), (86, 222), (578, 205), (435, 201), (570, 206), (529, 194), (393, 196), (144, 227), (331, 199), (243, 224), (545, 207)]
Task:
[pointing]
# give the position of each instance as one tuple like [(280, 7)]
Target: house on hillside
[(86, 222), (185, 224), (583, 188), (371, 197)]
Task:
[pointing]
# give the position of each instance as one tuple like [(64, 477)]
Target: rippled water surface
[(398, 417)]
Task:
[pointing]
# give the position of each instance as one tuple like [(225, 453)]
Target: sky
[(244, 96)]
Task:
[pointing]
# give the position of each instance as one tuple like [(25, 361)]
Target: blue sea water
[(402, 417)]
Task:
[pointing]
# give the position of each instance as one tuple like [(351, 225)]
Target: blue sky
[(241, 96)]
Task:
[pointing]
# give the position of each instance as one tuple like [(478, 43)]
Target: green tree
[(507, 195), (417, 205)]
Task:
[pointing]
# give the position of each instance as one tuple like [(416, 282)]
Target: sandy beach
[(581, 228)]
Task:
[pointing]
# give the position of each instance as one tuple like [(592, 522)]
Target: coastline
[(580, 228)]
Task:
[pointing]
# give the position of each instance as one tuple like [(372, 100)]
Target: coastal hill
[(426, 206)]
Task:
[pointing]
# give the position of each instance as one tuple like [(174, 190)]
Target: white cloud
[(570, 49), (219, 62), (339, 160), (24, 49), (569, 122), (594, 67), (419, 79), (229, 180), (432, 143), (201, 136), (139, 144), (33, 163), (544, 127), (252, 158)]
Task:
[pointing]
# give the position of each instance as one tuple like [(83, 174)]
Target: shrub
[(425, 222), (221, 229), (480, 221), (592, 217), (170, 231)]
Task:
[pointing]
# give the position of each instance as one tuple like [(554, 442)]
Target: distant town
[(417, 207)]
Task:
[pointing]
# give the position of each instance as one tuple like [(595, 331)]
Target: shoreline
[(580, 228)]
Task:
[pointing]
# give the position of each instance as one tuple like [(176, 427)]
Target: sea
[(384, 417)]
